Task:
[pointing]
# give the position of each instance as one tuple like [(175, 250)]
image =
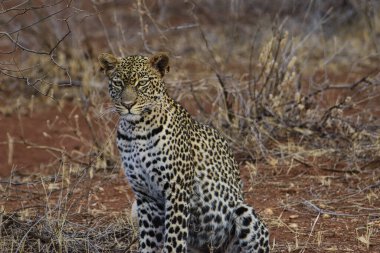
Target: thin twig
[(311, 233), (321, 211)]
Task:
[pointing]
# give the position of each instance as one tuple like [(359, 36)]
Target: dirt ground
[(309, 206)]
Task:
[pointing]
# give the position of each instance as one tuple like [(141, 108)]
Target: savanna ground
[(292, 85)]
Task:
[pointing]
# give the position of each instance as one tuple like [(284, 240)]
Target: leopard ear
[(108, 62), (160, 61)]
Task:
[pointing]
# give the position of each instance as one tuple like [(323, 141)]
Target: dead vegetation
[(294, 89), (62, 216)]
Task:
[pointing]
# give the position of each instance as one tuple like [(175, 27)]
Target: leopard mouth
[(129, 116), (133, 111)]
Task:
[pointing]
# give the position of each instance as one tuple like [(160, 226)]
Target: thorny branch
[(12, 39), (227, 101)]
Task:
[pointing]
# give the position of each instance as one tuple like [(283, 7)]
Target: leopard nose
[(128, 97), (128, 104)]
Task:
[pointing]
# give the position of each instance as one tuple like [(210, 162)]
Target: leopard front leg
[(176, 217), (151, 226)]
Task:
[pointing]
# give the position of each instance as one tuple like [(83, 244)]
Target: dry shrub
[(272, 104), (52, 233)]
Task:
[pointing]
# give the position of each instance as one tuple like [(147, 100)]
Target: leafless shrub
[(272, 103), (52, 225)]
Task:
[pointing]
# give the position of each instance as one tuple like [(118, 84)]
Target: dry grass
[(297, 99), (58, 219)]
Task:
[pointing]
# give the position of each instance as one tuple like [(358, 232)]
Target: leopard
[(183, 174)]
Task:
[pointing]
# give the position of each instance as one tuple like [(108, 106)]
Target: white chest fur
[(141, 153)]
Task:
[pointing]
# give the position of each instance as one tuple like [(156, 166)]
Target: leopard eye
[(117, 82), (144, 82)]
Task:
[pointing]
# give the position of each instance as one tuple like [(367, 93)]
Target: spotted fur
[(185, 179)]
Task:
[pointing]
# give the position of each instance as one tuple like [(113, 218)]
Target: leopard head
[(135, 82)]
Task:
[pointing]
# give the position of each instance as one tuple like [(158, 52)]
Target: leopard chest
[(145, 156)]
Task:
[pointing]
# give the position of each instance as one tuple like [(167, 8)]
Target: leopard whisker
[(106, 111)]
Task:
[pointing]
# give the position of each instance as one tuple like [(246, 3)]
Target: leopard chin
[(130, 117)]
